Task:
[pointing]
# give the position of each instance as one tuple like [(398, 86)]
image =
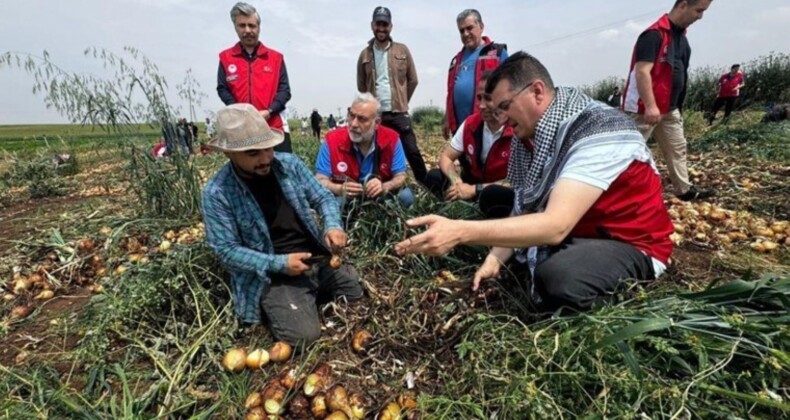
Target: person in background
[(478, 54), (209, 128), (304, 126), (656, 87), (727, 92), (386, 69), (363, 159), (315, 123), (482, 145), (331, 123), (251, 72), (258, 210), (615, 99)]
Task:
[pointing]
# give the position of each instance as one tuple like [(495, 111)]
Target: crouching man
[(363, 159), (257, 211), (588, 211), (482, 146)]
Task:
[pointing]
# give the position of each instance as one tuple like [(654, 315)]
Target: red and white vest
[(490, 57), (344, 160), (254, 82), (495, 166), (661, 73)]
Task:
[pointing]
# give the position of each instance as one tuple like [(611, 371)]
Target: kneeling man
[(363, 159), (588, 211), (257, 211)]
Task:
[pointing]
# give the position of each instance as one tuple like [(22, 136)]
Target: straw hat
[(241, 127)]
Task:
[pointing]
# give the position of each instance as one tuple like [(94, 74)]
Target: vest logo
[(232, 77), (505, 154), (267, 69), (384, 166), (470, 149), (342, 167), (232, 68)]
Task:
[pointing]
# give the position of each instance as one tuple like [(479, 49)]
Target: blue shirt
[(465, 83), (237, 232), (323, 163)]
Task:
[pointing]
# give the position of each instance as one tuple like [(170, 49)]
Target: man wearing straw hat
[(257, 211)]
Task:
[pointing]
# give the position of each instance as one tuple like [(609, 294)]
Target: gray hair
[(245, 9), (367, 98), (469, 12)]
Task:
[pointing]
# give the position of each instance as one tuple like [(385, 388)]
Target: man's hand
[(374, 188), (265, 114), (296, 264), (652, 115), (489, 270), (352, 189), (460, 191), (442, 236), (336, 240)]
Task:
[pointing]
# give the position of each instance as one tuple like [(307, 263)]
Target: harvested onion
[(253, 400), (360, 341), (335, 262), (391, 411), (257, 359), (280, 352), (235, 360), (318, 406), (45, 295)]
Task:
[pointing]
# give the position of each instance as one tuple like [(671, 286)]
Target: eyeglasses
[(503, 106)]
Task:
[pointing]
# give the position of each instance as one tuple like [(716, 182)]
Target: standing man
[(386, 69), (588, 212), (482, 145), (315, 123), (477, 55), (364, 159), (330, 122), (656, 88), (209, 128), (250, 72), (729, 88), (259, 221), (615, 99)]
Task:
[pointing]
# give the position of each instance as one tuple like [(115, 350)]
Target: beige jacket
[(403, 74)]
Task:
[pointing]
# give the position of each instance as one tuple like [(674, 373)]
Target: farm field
[(114, 307)]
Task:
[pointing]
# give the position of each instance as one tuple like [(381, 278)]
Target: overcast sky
[(580, 41)]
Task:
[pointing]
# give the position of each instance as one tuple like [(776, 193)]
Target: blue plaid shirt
[(237, 232)]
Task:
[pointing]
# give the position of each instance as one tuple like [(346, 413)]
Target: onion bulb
[(45, 295), (280, 352), (407, 401), (165, 246), (313, 384), (360, 341), (358, 406), (337, 415), (390, 412), (21, 311), (253, 400), (318, 406), (256, 413), (335, 262), (273, 396), (235, 360), (257, 359)]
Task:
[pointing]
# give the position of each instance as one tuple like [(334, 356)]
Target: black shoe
[(694, 194)]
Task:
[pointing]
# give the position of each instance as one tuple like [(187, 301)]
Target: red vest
[(495, 166), (632, 210), (490, 57), (661, 74), (254, 82), (728, 84), (344, 160)]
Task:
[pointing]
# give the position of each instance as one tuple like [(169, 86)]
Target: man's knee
[(300, 333), (560, 285)]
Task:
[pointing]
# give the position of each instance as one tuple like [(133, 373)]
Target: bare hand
[(352, 189), (336, 240), (296, 264), (489, 270), (374, 188), (442, 236), (265, 114), (460, 191), (652, 115)]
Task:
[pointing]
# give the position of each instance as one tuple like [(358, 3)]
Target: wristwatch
[(479, 189)]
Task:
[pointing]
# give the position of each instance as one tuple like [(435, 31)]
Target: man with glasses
[(478, 54), (386, 69), (482, 146), (363, 159), (588, 210)]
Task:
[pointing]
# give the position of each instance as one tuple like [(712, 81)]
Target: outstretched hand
[(442, 236)]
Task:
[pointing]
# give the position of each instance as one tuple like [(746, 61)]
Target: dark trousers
[(728, 103), (317, 132), (495, 201), (290, 304), (400, 122), (285, 146), (582, 273)]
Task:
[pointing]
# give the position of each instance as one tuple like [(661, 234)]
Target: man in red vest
[(588, 210), (656, 88), (482, 146), (250, 72), (477, 55), (364, 159), (729, 88)]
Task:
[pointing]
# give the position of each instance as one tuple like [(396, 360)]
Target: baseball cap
[(382, 14)]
